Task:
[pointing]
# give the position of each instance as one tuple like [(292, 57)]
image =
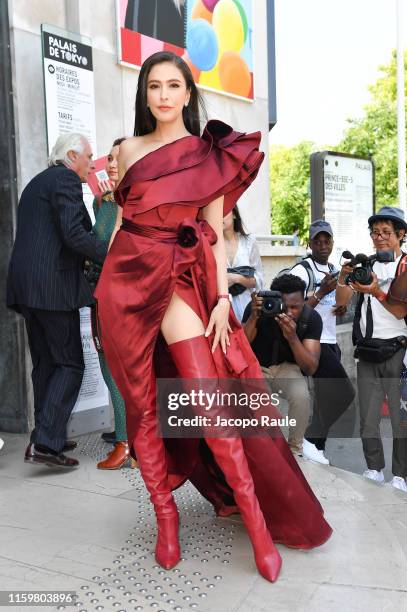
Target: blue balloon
[(202, 44)]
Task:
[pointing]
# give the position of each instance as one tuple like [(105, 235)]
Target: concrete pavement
[(93, 532)]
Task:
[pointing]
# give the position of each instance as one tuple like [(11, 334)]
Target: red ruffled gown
[(161, 248)]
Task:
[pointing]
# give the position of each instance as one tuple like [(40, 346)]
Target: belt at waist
[(159, 233)]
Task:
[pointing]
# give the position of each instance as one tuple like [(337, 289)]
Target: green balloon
[(243, 18)]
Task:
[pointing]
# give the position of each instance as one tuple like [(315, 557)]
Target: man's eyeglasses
[(385, 235)]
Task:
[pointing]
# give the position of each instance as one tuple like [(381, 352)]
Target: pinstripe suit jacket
[(53, 239)]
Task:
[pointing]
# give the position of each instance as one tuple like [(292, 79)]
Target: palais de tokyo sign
[(69, 87)]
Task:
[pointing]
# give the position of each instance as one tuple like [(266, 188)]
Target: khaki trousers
[(288, 379)]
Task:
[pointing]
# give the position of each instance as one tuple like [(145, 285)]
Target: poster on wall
[(69, 89), (93, 391), (214, 37), (92, 410), (68, 84)]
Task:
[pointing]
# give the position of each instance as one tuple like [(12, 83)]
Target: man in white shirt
[(381, 339), (333, 391)]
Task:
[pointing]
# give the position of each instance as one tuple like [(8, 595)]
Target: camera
[(363, 265), (272, 303)]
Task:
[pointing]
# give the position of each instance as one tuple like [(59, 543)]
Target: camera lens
[(272, 303), (362, 276)]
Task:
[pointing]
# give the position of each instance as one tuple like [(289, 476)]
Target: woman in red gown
[(163, 297)]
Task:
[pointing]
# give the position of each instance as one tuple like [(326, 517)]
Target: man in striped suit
[(47, 286)]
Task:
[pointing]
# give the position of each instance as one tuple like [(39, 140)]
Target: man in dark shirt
[(47, 286), (288, 348)]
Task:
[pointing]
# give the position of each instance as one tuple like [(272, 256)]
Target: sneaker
[(374, 475), (399, 483), (311, 452)]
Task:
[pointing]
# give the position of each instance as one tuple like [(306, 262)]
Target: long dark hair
[(145, 121), (237, 222), (118, 141)]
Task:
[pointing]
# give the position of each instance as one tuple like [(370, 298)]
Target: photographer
[(333, 391), (284, 334), (380, 337)]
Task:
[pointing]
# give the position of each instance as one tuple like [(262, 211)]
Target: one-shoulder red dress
[(163, 247)]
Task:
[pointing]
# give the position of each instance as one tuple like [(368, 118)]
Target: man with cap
[(381, 340), (333, 391)]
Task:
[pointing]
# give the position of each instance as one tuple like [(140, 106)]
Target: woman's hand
[(105, 186), (220, 321)]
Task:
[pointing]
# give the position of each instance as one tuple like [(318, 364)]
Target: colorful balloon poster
[(219, 44), (215, 38)]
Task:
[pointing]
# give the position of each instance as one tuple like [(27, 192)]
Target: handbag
[(92, 271), (237, 288), (376, 350)]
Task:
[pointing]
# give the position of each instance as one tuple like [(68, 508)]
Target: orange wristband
[(381, 297)]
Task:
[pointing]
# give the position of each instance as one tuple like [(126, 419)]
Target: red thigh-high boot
[(193, 359), (150, 452)]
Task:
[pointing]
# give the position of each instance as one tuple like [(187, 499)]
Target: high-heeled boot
[(151, 458), (117, 458), (193, 359)]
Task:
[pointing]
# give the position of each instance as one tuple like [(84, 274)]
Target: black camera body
[(363, 265), (272, 303)]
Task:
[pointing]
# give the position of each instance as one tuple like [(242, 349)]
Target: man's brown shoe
[(44, 456), (117, 458)]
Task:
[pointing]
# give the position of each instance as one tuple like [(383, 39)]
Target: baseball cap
[(320, 225), (389, 213)]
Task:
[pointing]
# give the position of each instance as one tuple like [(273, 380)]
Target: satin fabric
[(163, 247)]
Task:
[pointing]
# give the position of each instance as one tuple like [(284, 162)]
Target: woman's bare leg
[(183, 331), (180, 322)]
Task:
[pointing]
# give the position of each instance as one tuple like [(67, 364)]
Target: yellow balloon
[(227, 23), (211, 78)]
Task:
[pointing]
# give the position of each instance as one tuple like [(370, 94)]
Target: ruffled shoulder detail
[(194, 171)]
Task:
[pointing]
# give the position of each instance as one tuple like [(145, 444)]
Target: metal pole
[(401, 117)]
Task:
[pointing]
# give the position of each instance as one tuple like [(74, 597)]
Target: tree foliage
[(289, 187), (373, 135)]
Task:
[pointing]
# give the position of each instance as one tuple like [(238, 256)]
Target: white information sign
[(93, 393), (69, 86), (349, 197)]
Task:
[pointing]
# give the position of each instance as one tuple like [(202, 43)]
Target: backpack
[(312, 281), (357, 334)]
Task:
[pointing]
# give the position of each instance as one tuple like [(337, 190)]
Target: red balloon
[(210, 4), (200, 11)]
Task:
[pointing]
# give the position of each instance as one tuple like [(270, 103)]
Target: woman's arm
[(121, 169), (213, 214), (117, 225), (396, 309), (397, 296), (255, 262)]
